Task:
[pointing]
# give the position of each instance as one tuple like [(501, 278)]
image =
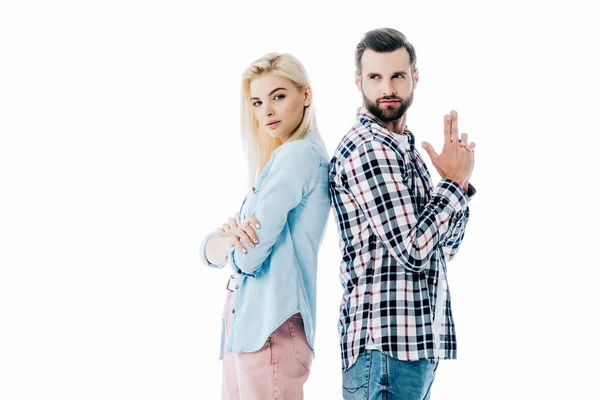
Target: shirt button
[(237, 286), (233, 311), (434, 281)]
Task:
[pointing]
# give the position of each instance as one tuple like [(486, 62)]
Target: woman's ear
[(307, 96)]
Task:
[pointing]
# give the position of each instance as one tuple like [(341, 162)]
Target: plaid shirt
[(396, 234)]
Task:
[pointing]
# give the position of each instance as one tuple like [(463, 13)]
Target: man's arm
[(374, 178), (458, 225)]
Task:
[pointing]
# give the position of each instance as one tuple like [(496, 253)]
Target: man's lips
[(389, 102)]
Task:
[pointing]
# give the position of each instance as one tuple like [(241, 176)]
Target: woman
[(272, 244)]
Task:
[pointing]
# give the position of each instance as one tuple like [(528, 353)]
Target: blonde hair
[(258, 144)]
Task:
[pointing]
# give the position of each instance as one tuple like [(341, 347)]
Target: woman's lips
[(273, 125)]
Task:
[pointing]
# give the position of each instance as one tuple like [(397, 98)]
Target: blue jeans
[(376, 376)]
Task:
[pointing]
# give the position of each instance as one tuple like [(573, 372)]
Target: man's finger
[(429, 149), (454, 126), (446, 129)]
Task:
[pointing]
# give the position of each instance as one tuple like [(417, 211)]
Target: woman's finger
[(239, 245), (250, 232), (243, 236), (254, 222)]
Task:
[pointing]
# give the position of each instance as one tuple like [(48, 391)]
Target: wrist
[(216, 249), (222, 243), (461, 183), (225, 243)]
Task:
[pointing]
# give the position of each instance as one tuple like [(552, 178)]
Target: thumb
[(429, 149)]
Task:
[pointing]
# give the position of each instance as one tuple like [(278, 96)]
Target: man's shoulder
[(364, 131)]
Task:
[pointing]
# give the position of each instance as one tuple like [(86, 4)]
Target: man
[(397, 231)]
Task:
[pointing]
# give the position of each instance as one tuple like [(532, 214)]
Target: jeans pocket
[(302, 349), (355, 380)]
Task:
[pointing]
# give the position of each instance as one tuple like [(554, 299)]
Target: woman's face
[(278, 105)]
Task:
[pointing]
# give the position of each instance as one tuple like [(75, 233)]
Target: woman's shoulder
[(304, 150)]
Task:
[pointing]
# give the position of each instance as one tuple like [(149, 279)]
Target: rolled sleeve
[(457, 198), (203, 253)]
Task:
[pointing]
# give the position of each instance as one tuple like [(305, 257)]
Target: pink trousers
[(277, 371)]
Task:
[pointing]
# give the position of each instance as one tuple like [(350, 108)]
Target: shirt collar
[(362, 113)]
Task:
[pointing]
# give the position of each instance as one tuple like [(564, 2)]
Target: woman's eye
[(256, 103), (279, 96)]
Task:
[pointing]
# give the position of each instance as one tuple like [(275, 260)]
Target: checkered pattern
[(396, 234)]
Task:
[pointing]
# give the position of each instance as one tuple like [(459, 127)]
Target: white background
[(120, 150)]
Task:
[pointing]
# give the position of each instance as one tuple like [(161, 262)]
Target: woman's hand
[(238, 233)]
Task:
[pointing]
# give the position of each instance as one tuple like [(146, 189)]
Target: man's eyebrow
[(393, 73)]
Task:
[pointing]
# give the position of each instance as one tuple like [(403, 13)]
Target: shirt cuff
[(234, 266), (203, 253), (471, 191), (455, 195)]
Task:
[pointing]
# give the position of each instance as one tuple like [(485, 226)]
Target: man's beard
[(388, 113)]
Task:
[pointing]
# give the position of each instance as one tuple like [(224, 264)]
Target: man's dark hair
[(384, 40)]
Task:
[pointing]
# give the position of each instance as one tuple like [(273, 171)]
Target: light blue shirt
[(278, 277)]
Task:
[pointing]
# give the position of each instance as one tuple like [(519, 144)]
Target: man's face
[(387, 83)]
